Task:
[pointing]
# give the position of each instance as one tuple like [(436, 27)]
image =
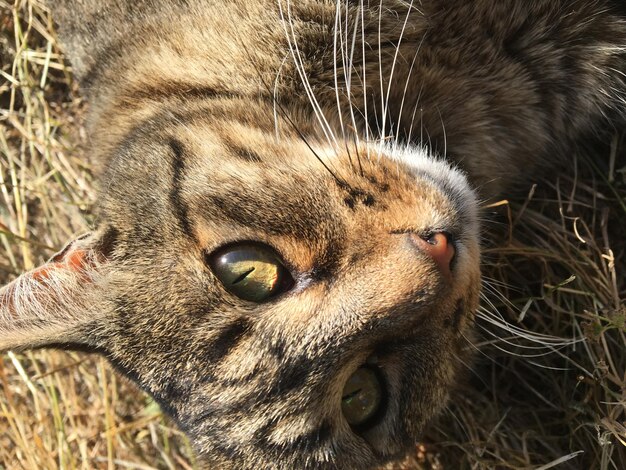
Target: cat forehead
[(220, 181), (284, 185)]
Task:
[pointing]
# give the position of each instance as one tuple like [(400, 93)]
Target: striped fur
[(329, 131)]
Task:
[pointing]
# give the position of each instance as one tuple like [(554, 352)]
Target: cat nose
[(440, 247)]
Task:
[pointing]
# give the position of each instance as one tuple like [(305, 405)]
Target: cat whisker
[(381, 129), (348, 73), (275, 94), (443, 129), (292, 43), (415, 107), (470, 368), (541, 350), (290, 35), (404, 92), (364, 79), (277, 106), (348, 70), (393, 68), (491, 286), (541, 340), (338, 35)]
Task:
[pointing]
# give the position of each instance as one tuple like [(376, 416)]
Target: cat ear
[(56, 303)]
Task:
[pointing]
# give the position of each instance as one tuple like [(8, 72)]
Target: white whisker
[(415, 107), (544, 340), (275, 95), (299, 64), (443, 129), (348, 77), (364, 79), (336, 33), (406, 86), (393, 67), (382, 81)]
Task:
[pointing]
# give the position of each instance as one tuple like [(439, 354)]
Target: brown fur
[(206, 136)]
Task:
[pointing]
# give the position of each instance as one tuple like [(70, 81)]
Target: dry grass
[(57, 410), (549, 386)]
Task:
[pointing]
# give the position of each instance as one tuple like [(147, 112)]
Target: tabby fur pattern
[(334, 133)]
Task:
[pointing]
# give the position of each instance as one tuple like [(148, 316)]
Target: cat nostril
[(440, 248)]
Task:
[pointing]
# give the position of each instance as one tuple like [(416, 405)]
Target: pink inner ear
[(74, 260), (77, 261), (48, 304)]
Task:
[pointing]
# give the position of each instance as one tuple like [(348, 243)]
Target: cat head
[(280, 310), (290, 301)]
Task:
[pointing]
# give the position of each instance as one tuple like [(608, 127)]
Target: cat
[(286, 248)]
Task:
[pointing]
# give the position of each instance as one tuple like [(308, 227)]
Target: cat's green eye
[(250, 271), (362, 397)]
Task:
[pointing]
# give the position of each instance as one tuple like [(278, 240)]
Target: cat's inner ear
[(57, 302)]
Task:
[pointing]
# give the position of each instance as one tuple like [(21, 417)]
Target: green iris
[(250, 271), (362, 396)]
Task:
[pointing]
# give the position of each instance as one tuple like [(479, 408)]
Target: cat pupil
[(243, 276)]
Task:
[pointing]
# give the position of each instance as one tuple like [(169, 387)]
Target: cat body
[(311, 134)]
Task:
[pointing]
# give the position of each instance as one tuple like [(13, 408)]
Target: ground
[(547, 387)]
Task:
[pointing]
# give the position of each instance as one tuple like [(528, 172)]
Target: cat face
[(335, 351), (289, 300)]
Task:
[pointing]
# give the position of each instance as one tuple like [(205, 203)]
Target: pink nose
[(439, 248)]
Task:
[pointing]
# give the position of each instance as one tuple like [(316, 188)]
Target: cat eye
[(362, 397), (251, 271)]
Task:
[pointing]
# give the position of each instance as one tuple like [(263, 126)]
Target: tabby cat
[(286, 249)]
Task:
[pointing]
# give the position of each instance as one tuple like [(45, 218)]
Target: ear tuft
[(54, 303)]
